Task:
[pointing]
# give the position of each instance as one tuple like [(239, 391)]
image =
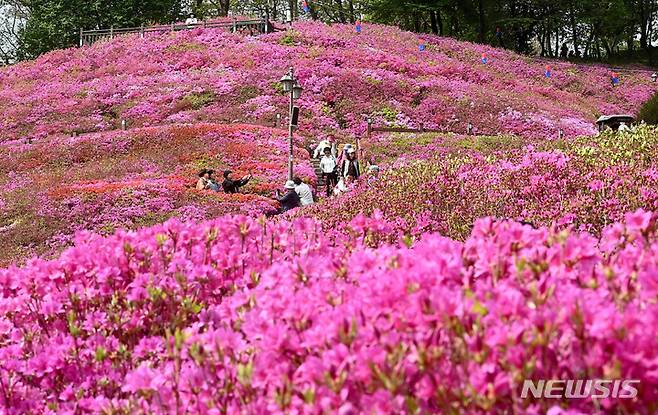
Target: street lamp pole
[(291, 85), (290, 110)]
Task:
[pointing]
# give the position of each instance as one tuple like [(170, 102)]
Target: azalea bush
[(239, 315), (107, 181), (215, 76), (416, 292), (445, 183)]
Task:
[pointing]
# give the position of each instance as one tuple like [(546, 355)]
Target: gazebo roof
[(615, 117)]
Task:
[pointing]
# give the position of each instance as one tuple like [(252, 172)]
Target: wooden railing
[(88, 37)]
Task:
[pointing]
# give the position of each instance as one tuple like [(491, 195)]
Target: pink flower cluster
[(433, 187), (215, 76), (243, 316), (104, 181)]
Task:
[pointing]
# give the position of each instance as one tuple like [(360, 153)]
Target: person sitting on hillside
[(303, 191), (350, 165), (290, 200), (233, 186), (212, 183), (206, 181), (204, 177), (623, 127)]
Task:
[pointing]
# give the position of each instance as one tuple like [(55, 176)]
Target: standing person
[(343, 153), (319, 149), (350, 165), (328, 166), (290, 200), (303, 191), (233, 186), (564, 50)]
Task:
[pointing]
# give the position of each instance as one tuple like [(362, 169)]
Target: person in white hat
[(373, 173), (290, 200), (350, 165)]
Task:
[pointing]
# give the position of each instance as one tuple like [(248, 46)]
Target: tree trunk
[(574, 29), (643, 24), (341, 11), (481, 21), (433, 22), (588, 45), (350, 4), (557, 43)]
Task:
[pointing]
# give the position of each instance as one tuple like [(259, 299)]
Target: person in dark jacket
[(233, 186), (350, 165), (290, 200)]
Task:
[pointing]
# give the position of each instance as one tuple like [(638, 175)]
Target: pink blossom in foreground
[(243, 316)]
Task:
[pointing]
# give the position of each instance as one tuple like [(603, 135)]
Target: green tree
[(54, 24)]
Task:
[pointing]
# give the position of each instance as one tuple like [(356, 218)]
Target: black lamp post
[(291, 85)]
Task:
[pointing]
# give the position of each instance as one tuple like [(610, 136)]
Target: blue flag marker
[(421, 46)]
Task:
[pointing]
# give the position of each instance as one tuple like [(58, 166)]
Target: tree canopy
[(594, 29)]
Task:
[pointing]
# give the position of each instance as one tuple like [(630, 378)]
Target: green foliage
[(186, 47), (197, 100), (400, 144), (637, 146), (388, 113), (649, 111), (54, 24), (248, 92), (290, 38), (486, 144)]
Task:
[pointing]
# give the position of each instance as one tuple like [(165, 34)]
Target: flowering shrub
[(244, 316), (444, 183), (102, 182), (361, 304), (215, 76)]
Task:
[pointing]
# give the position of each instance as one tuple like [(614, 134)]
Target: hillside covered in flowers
[(215, 76), (470, 264)]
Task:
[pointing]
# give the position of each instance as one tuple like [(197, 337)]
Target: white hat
[(373, 167), (351, 150), (289, 184)]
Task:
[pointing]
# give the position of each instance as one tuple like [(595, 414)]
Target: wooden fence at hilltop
[(88, 37)]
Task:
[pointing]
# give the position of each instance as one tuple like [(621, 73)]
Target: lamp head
[(286, 82)]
